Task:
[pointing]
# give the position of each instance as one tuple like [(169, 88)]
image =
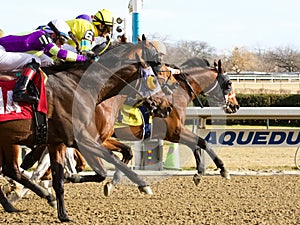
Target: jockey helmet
[(159, 46), (60, 28), (104, 17), (85, 17)]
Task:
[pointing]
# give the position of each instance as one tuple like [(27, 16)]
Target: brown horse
[(198, 78), (73, 91)]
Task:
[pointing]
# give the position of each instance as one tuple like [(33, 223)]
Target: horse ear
[(123, 39), (215, 64), (219, 66), (144, 37)]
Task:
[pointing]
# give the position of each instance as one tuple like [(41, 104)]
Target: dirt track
[(241, 200)]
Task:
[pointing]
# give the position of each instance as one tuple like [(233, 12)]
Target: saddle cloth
[(129, 115), (10, 110)]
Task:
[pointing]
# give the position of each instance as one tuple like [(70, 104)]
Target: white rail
[(259, 77), (245, 113)]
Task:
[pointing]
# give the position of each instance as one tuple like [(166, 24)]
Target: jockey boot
[(19, 93)]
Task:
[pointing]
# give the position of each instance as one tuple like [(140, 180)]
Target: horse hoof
[(8, 207), (146, 189), (74, 178), (12, 210), (225, 174), (53, 204), (64, 219), (197, 178), (108, 189), (51, 200), (13, 197)]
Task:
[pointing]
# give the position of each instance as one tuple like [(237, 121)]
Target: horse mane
[(195, 62), (65, 66)]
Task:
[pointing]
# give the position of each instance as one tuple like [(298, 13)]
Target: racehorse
[(73, 91), (197, 77)]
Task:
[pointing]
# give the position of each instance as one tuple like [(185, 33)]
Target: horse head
[(201, 78), (133, 75), (231, 104)]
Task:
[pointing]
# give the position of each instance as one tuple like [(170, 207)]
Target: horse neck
[(122, 65), (119, 82), (199, 79)]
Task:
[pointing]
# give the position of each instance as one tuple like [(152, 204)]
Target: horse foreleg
[(197, 143), (199, 165), (127, 155), (57, 156)]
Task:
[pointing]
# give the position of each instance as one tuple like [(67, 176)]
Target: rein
[(191, 89), (105, 48)]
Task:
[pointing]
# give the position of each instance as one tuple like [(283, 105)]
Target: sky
[(223, 24)]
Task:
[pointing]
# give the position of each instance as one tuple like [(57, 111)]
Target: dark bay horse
[(196, 78), (73, 91)]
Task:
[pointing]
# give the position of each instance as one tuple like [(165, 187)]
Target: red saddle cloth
[(10, 110)]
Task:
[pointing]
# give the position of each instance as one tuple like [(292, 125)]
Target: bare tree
[(285, 59), (183, 50), (280, 59)]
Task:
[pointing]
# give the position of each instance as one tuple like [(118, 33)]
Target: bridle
[(221, 91), (165, 86)]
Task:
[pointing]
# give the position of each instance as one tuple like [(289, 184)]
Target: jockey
[(160, 48), (85, 31), (162, 52), (17, 51)]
